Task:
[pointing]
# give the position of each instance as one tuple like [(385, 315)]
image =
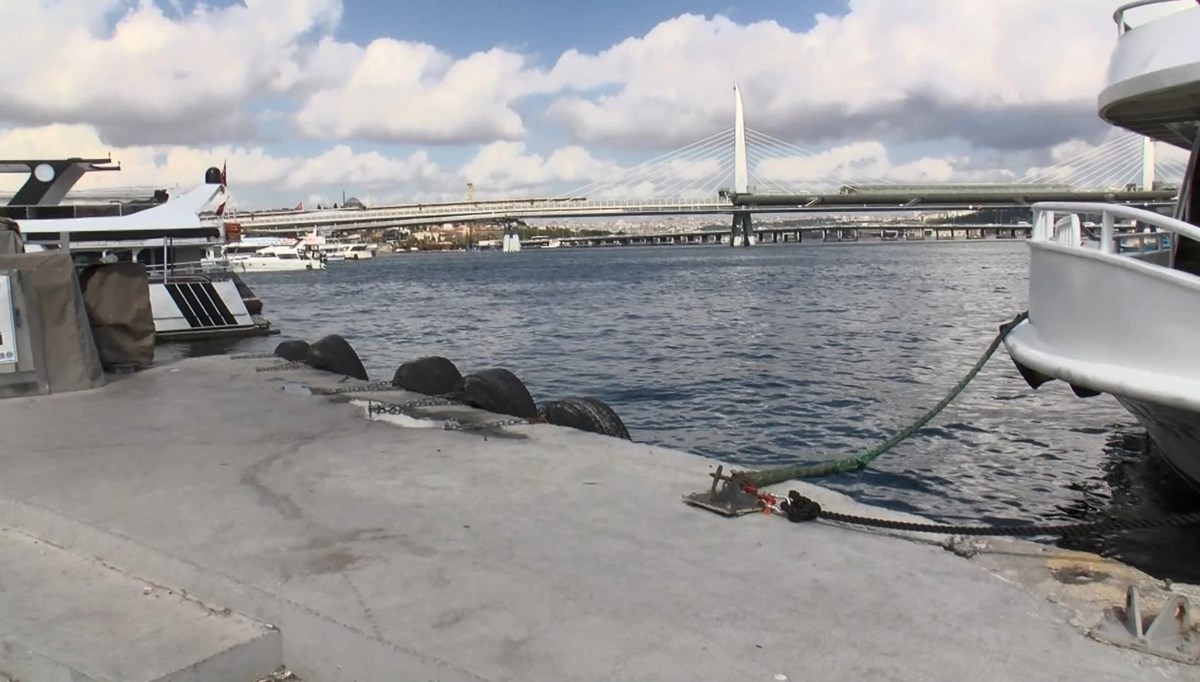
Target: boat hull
[(197, 308), (1174, 431), (275, 265)]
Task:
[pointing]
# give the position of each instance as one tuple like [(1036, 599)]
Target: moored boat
[(1119, 314), (191, 297)]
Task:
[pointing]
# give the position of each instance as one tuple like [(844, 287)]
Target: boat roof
[(1154, 73), (180, 213)]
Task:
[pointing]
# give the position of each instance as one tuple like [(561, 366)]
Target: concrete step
[(66, 618)]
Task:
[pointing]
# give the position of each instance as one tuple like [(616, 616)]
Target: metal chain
[(253, 356), (372, 387), (455, 425), (282, 368), (858, 462), (386, 407), (798, 508)]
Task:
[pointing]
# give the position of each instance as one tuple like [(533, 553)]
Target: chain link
[(253, 356), (287, 366)]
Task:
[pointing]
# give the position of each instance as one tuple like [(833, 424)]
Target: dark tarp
[(56, 350), (10, 237), (117, 296)]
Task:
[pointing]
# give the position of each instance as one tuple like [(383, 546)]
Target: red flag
[(299, 206), (223, 166)]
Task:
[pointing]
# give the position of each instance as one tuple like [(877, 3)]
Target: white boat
[(279, 258), (357, 251), (191, 297), (1119, 312)]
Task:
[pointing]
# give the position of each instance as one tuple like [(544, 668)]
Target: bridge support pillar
[(743, 229)]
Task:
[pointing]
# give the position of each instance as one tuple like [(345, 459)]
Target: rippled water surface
[(767, 355)]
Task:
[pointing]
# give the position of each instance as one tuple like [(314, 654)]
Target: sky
[(409, 100)]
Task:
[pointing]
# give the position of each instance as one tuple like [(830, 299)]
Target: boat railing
[(1119, 15), (212, 269), (1060, 222)]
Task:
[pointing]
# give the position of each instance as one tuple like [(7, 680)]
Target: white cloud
[(866, 162), (174, 91), (411, 92), (254, 173), (149, 77), (899, 67), (505, 167)]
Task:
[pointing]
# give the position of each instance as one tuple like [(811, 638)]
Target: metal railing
[(1059, 222), (1119, 15), (212, 269)]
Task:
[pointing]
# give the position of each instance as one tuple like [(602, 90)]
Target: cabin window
[(1189, 191), (289, 255)]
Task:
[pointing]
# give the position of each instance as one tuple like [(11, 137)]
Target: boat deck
[(389, 552)]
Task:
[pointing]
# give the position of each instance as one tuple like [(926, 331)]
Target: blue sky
[(551, 27), (410, 100)]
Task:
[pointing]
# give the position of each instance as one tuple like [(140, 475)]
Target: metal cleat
[(1168, 634), (731, 500)]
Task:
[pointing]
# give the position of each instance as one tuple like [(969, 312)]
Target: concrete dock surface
[(385, 552)]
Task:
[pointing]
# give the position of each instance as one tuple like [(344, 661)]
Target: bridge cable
[(650, 162), (782, 155), (657, 171), (788, 149), (765, 477), (1119, 145)]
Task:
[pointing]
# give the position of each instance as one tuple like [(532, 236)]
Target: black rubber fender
[(292, 351), (433, 375), (585, 414), (496, 390), (334, 354)]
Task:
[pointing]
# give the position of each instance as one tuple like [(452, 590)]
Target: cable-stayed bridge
[(742, 171)]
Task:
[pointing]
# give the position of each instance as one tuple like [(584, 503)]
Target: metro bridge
[(740, 171)]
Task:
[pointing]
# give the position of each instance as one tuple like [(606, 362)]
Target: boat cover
[(56, 349), (10, 237), (117, 296)]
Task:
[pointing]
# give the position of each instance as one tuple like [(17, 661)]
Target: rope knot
[(800, 508)]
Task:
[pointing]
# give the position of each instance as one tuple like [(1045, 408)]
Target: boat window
[(1189, 191), (1186, 256), (289, 255)]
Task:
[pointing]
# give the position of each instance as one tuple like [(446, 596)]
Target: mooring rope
[(765, 477), (799, 508)]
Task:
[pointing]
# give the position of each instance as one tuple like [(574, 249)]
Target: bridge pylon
[(742, 231)]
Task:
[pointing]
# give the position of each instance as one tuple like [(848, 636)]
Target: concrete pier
[(381, 551)]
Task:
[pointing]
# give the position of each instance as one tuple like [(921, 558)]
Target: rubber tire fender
[(585, 414), (292, 351), (496, 390), (334, 354), (433, 375)]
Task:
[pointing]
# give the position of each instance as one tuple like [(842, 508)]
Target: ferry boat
[(1119, 314), (192, 297)]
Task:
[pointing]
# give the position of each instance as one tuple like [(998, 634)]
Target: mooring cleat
[(1168, 634), (731, 500)]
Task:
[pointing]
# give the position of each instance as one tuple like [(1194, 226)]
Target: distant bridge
[(730, 174)]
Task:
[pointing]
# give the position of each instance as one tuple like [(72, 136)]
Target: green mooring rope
[(765, 477)]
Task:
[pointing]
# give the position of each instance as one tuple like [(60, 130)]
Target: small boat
[(1119, 314)]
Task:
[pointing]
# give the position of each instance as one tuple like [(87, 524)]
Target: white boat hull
[(1111, 323), (253, 264)]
